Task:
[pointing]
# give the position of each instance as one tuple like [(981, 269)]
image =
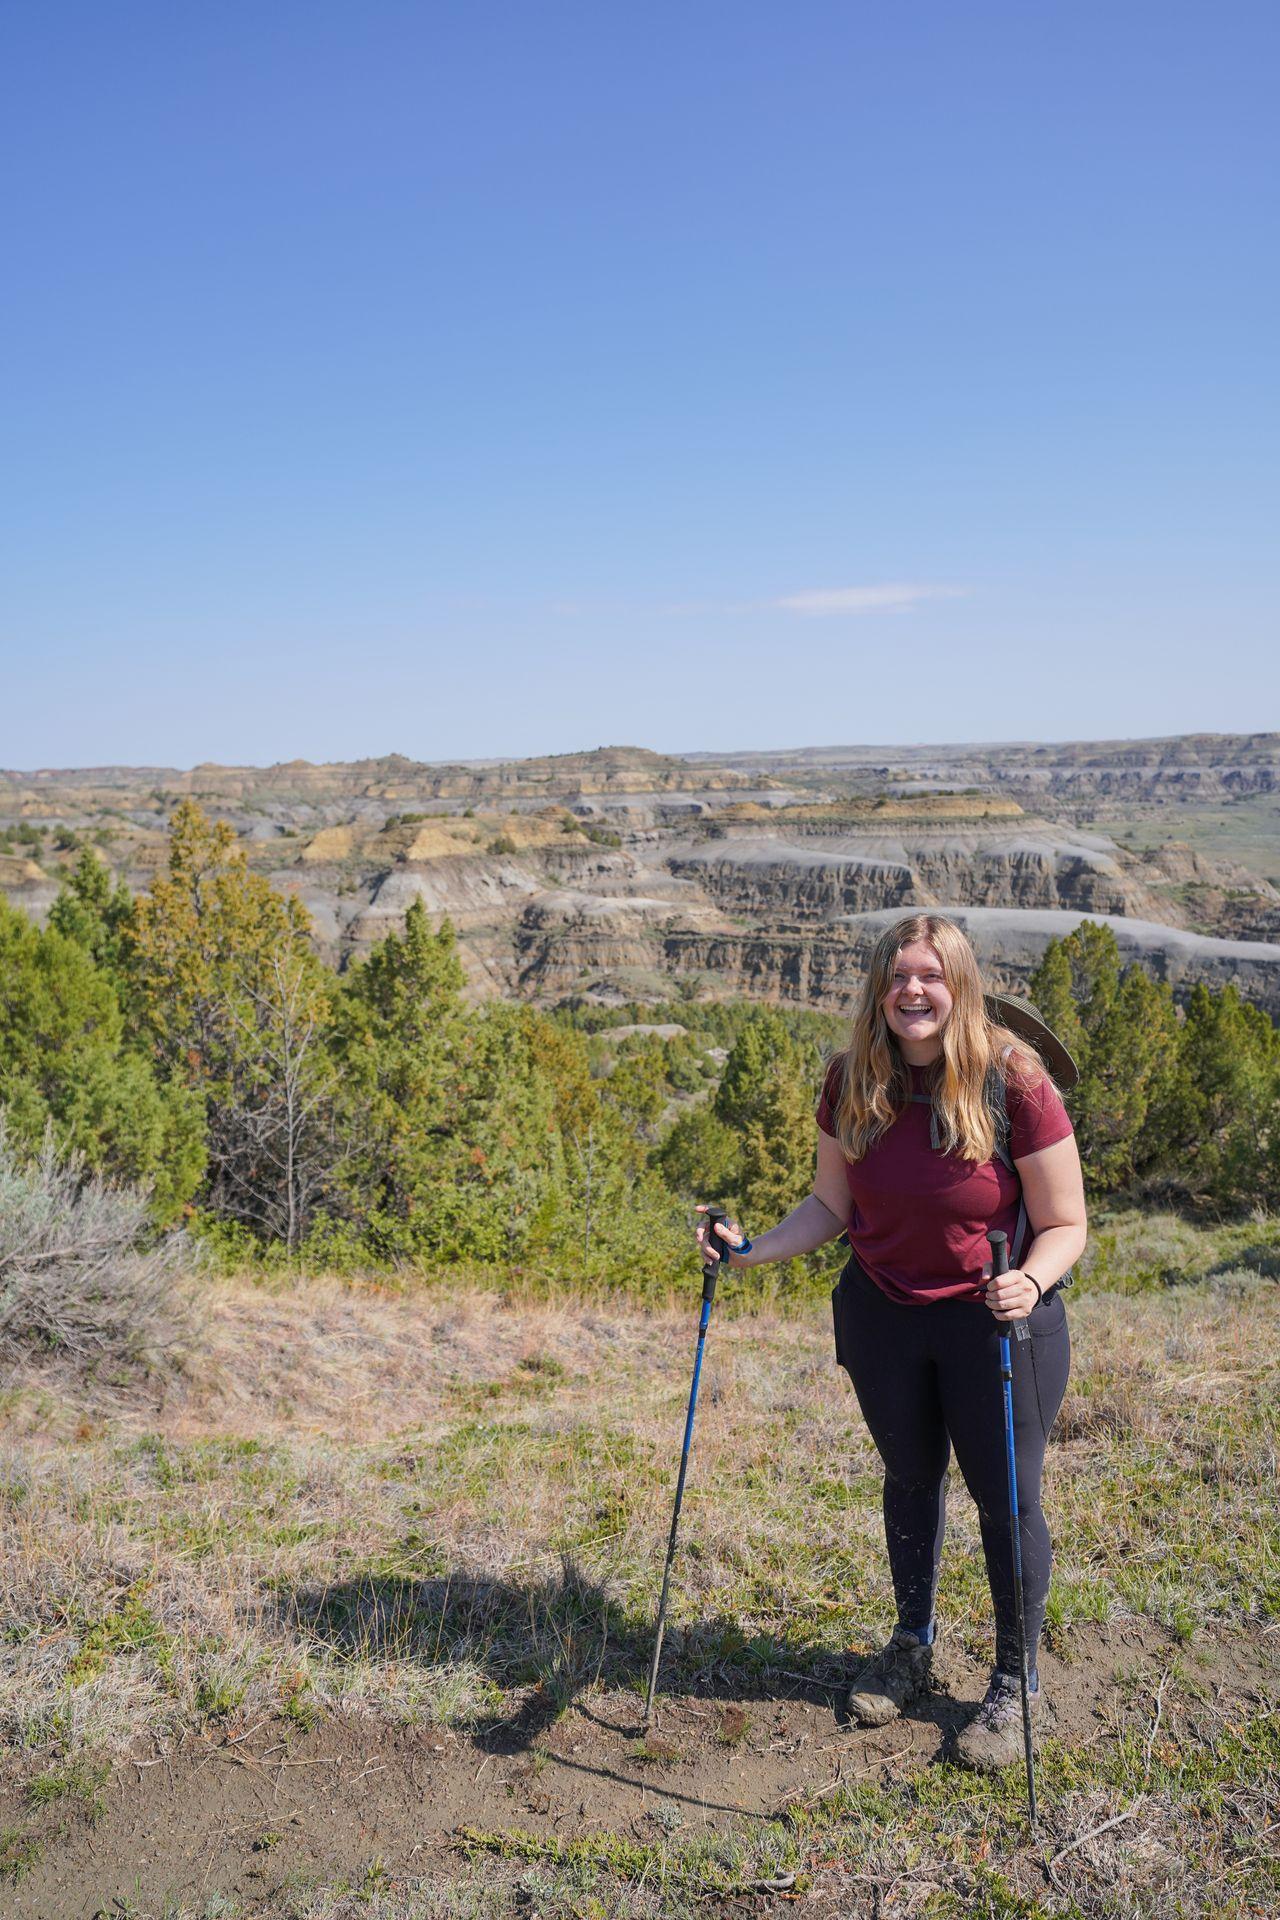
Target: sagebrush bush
[(84, 1277), (1136, 1252), (1139, 1252)]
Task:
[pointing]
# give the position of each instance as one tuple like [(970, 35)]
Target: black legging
[(928, 1379)]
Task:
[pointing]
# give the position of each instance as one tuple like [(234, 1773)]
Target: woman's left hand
[(728, 1238), (1011, 1295)]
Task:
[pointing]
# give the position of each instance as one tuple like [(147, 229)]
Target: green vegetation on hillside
[(191, 1040)]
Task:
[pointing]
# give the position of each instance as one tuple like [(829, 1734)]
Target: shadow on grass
[(554, 1639)]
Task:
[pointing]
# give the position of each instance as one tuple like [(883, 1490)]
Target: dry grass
[(426, 1504)]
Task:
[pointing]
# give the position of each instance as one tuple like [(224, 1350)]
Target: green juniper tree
[(638, 1084), (753, 1144), (96, 910), (396, 1042), (234, 1004), (1052, 989), (1227, 1126), (1188, 1103), (701, 1155), (778, 1146), (66, 1065), (1129, 1071)]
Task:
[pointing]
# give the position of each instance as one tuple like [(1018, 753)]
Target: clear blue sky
[(458, 378)]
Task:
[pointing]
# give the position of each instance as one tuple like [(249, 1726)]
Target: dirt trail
[(243, 1813)]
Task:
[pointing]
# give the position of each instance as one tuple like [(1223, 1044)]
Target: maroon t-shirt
[(918, 1218)]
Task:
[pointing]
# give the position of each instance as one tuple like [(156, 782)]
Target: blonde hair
[(874, 1080)]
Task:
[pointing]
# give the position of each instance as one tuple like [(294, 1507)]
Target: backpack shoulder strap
[(935, 1134), (998, 1103)]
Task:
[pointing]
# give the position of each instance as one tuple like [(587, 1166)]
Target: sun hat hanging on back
[(1027, 1021)]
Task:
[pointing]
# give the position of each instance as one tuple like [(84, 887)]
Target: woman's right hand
[(728, 1236)]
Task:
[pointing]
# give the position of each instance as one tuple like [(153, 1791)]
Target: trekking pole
[(999, 1244), (714, 1252)]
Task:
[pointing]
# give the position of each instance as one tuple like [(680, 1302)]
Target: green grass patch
[(20, 1850), (78, 1779), (128, 1627)]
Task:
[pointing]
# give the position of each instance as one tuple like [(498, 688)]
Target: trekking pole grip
[(714, 1252), (999, 1245)]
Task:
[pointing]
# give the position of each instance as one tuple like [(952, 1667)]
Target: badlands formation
[(622, 874)]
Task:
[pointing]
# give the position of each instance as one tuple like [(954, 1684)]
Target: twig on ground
[(233, 1739), (1155, 1728), (1115, 1821), (857, 1773), (374, 1766), (777, 1883)]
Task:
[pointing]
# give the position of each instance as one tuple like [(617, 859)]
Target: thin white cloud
[(895, 596)]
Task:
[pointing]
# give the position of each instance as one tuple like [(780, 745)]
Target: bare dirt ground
[(250, 1816)]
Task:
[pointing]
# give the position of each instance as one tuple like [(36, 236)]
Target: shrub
[(83, 1277), (1136, 1252)]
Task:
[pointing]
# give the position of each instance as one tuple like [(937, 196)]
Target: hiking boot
[(993, 1738), (886, 1683)]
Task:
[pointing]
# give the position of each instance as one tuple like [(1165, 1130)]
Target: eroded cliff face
[(1027, 864), (825, 969), (784, 917), (645, 870)]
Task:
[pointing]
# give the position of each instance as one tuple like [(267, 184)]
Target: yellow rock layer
[(438, 839), (331, 843)]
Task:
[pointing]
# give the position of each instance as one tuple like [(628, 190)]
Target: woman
[(909, 1164)]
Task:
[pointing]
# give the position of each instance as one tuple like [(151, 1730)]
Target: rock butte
[(621, 873)]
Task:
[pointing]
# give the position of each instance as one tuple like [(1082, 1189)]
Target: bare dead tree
[(281, 1150)]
